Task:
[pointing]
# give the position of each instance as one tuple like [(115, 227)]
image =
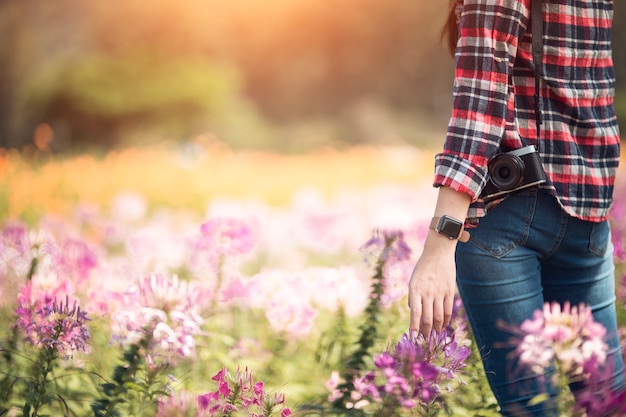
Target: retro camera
[(512, 171)]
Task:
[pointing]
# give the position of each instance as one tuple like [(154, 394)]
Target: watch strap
[(464, 235)]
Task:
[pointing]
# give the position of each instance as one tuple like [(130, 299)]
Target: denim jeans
[(525, 252)]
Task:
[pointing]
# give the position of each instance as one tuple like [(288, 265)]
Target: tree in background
[(101, 75)]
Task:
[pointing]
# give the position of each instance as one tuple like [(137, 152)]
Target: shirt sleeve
[(490, 31)]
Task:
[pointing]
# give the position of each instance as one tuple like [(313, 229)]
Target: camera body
[(512, 171)]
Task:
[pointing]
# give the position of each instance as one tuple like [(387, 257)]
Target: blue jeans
[(525, 252)]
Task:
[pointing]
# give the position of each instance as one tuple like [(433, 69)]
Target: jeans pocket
[(599, 238), (506, 226)]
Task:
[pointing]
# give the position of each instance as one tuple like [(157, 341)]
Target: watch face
[(450, 227)]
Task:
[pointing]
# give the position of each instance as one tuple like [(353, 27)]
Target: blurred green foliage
[(289, 74), (116, 87), (105, 97)]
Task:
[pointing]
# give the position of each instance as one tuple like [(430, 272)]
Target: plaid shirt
[(493, 107)]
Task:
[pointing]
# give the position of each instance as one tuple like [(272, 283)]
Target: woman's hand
[(432, 287), (433, 282)]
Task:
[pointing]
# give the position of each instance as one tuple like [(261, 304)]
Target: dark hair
[(450, 30)]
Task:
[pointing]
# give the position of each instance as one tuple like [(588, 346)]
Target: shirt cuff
[(460, 174)]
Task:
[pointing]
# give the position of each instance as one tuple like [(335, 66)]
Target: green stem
[(369, 331), (232, 398), (149, 397), (41, 383), (123, 375), (33, 266)]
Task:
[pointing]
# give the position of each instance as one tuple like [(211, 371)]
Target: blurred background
[(288, 75)]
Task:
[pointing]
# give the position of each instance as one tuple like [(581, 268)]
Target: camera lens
[(506, 171)]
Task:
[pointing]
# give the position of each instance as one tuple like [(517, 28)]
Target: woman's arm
[(432, 287), (490, 32)]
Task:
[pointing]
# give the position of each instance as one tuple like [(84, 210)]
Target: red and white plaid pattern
[(493, 107)]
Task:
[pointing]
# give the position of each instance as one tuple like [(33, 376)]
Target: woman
[(549, 242)]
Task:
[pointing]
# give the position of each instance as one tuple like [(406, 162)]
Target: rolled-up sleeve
[(482, 98)]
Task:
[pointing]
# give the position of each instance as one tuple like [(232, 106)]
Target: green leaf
[(539, 399), (109, 389)]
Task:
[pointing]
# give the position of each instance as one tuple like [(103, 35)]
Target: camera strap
[(537, 51)]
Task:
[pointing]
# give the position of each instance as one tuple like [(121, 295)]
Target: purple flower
[(388, 244), (384, 360), (413, 373), (389, 250), (598, 397), (52, 324)]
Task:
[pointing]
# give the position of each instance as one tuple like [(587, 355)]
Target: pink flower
[(72, 259), (570, 337), (228, 236), (294, 318), (166, 309), (618, 216), (234, 289), (240, 393), (176, 404), (332, 385), (567, 334), (333, 289), (313, 289), (103, 300), (221, 242), (15, 235), (18, 252)]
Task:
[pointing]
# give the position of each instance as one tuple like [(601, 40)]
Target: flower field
[(199, 281)]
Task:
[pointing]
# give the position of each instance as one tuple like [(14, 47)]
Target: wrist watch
[(450, 228)]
